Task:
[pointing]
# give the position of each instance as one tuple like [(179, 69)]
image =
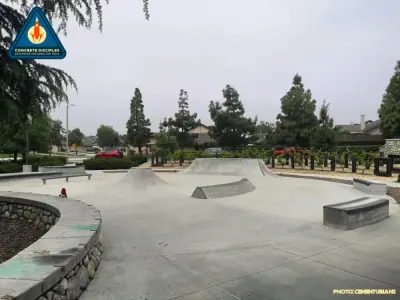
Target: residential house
[(202, 137), (365, 132)]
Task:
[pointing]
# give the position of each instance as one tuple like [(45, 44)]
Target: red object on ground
[(109, 154), (63, 193), (290, 151)]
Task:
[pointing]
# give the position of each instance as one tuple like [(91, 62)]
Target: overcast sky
[(344, 50)]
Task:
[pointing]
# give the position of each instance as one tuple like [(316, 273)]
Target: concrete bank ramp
[(224, 190), (248, 167), (141, 178)]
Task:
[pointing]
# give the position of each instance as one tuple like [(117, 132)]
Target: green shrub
[(10, 167), (114, 163)]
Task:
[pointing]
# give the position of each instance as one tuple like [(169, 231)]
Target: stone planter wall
[(72, 266)]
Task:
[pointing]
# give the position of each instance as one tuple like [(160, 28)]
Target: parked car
[(290, 151), (109, 154)]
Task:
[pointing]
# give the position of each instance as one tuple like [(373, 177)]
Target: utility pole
[(68, 105)]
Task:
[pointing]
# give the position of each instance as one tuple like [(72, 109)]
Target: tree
[(165, 142), (230, 127), (75, 136), (296, 124), (57, 134), (39, 133), (138, 130), (183, 122), (107, 136), (28, 87), (265, 133), (325, 135), (389, 111)]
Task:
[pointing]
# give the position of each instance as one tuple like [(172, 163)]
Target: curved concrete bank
[(64, 260), (391, 191), (249, 167), (230, 189), (141, 178)]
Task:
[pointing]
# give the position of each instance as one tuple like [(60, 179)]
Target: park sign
[(37, 39)]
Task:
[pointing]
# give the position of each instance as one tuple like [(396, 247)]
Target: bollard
[(333, 163), (353, 165)]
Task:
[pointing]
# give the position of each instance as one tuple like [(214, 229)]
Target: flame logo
[(36, 34)]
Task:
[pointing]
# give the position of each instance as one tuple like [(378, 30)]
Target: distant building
[(363, 133)]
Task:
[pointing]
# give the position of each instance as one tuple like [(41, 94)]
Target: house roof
[(203, 138), (369, 125)]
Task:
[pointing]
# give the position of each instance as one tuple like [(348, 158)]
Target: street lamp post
[(28, 123), (68, 105)]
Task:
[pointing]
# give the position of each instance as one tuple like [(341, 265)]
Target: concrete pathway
[(268, 244)]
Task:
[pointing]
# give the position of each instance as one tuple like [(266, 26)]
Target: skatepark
[(228, 229)]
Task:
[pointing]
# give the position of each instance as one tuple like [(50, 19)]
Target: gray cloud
[(344, 50)]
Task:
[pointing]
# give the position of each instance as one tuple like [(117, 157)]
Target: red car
[(109, 154), (290, 151)]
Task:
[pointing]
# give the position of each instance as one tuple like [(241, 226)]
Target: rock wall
[(40, 217), (73, 285), (75, 282), (392, 146)]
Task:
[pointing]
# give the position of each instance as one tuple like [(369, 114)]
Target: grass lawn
[(3, 155)]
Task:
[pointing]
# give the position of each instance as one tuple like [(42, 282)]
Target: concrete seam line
[(64, 260)]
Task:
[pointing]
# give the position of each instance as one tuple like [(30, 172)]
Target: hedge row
[(34, 160), (114, 163)]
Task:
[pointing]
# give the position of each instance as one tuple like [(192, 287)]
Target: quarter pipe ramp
[(247, 167)]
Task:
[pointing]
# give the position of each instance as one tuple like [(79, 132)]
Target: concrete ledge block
[(224, 190), (356, 213), (369, 186)]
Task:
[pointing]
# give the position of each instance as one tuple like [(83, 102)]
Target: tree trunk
[(15, 156), (140, 150)]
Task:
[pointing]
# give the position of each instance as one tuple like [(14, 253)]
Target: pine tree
[(139, 133), (184, 121), (389, 112), (230, 127), (325, 135), (297, 123)]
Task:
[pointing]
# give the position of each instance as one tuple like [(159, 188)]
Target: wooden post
[(306, 160), (333, 163), (292, 161), (353, 165), (312, 162), (376, 166), (273, 162)]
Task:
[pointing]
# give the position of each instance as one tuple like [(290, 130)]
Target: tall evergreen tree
[(230, 127), (389, 112), (325, 135), (184, 121), (138, 131), (297, 122)]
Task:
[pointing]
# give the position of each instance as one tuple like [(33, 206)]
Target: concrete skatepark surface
[(159, 243)]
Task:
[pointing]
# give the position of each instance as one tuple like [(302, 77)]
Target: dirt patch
[(15, 236)]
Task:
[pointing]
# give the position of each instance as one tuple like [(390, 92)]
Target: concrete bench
[(89, 176), (369, 187), (356, 213)]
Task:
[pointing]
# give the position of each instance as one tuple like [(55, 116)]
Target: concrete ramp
[(249, 167), (224, 190), (141, 178)]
